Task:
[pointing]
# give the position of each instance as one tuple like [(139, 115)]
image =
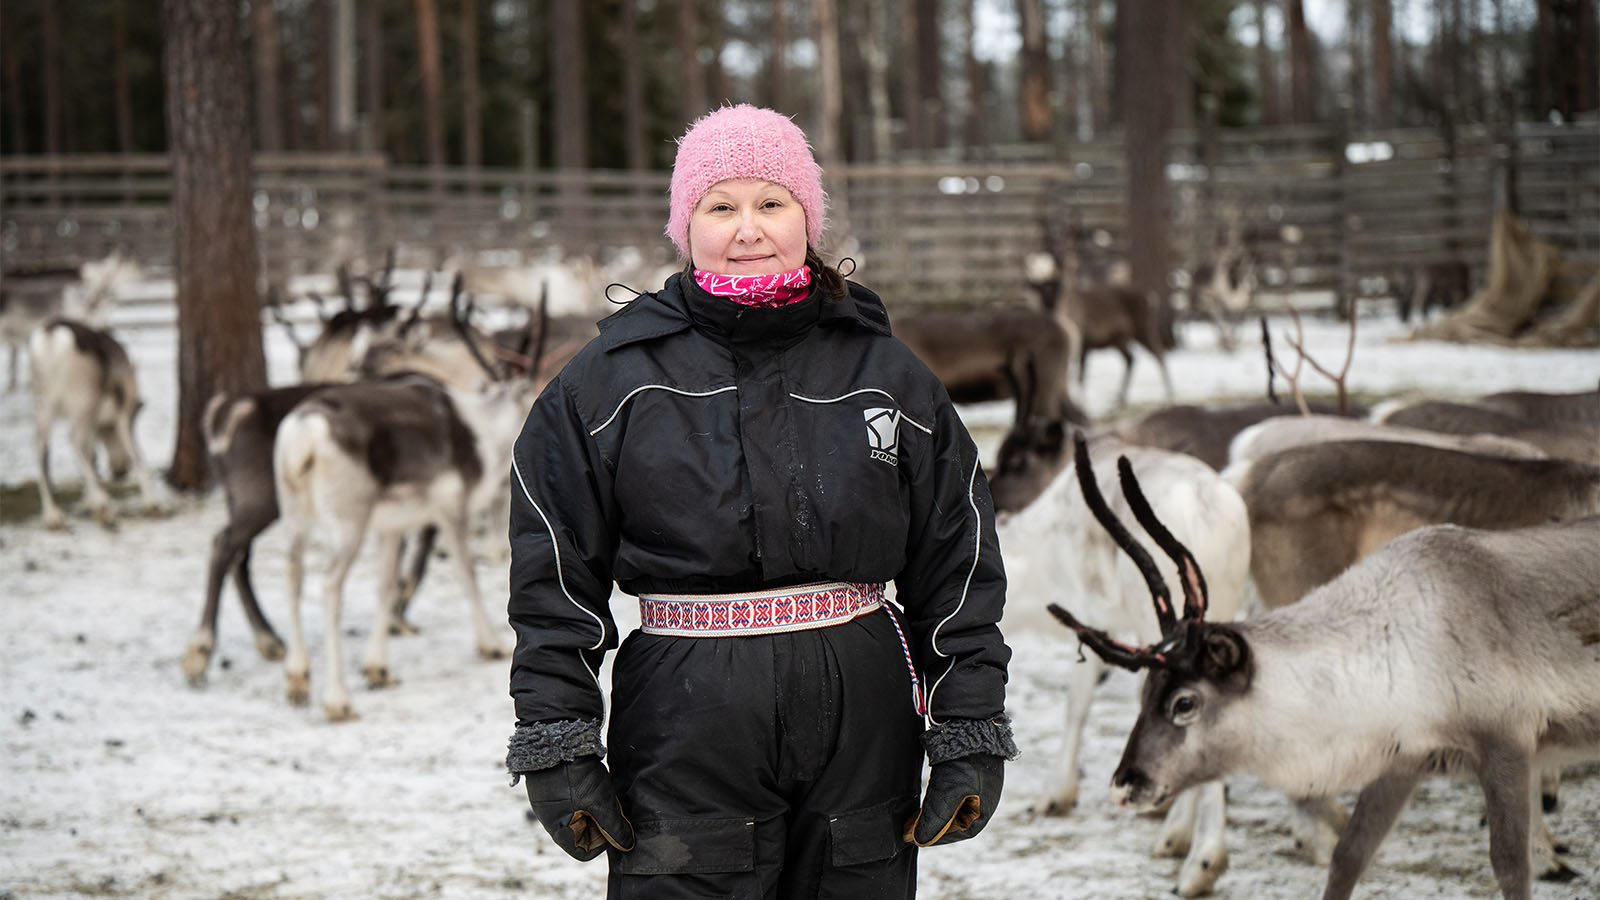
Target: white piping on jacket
[(903, 417), (561, 579), (659, 387), (977, 546)]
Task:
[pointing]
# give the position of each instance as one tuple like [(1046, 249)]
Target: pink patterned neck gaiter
[(757, 290)]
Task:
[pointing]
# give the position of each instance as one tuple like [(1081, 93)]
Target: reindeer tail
[(294, 456)]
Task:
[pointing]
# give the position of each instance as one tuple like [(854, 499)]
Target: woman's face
[(746, 226)]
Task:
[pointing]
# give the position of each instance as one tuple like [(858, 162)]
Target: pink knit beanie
[(744, 142)]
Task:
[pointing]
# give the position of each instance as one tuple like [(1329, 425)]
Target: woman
[(751, 453)]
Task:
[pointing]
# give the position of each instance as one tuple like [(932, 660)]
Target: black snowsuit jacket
[(701, 446)]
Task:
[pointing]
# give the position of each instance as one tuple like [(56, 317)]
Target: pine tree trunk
[(691, 71), (567, 80), (1146, 79), (1382, 23), (633, 86), (372, 109), (208, 130), (432, 81), (1266, 70), (124, 87), (1035, 62), (778, 58), (1302, 86), (51, 76), (471, 115)]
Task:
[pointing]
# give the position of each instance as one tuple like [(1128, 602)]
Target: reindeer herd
[(1369, 596)]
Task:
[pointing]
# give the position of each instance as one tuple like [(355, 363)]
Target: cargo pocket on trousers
[(871, 834), (689, 847)]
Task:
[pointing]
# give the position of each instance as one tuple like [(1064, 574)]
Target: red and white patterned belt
[(757, 612)]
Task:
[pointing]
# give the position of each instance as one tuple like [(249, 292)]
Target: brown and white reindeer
[(1318, 508), (1448, 651), (84, 294), (974, 354), (82, 375), (1054, 548), (389, 457), (1104, 316), (1566, 425)]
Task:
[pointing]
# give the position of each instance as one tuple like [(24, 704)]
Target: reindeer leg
[(297, 664), (413, 579), (96, 497), (1208, 852), (1377, 807), (225, 552), (1177, 828), (1081, 681), (490, 645), (376, 664), (1127, 375), (268, 644), (1546, 853), (1549, 788), (347, 543), (53, 517), (1504, 773), (1316, 823), (149, 494)]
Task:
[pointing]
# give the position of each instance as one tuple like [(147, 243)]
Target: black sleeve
[(563, 540), (953, 586)]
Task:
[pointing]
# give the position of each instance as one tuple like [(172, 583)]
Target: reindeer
[(83, 375), (82, 294), (389, 456), (974, 354), (1448, 651), (1317, 509), (329, 356), (1114, 316), (239, 430), (1053, 548), (1563, 425), (1283, 432)]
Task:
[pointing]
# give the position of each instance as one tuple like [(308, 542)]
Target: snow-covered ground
[(118, 779)]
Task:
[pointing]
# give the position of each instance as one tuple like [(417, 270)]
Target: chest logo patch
[(883, 434)]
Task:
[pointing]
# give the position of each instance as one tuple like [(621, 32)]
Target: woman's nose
[(748, 232)]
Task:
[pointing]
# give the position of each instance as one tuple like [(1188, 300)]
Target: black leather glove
[(962, 795), (575, 803)]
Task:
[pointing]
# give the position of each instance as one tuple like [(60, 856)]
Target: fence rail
[(1318, 210)]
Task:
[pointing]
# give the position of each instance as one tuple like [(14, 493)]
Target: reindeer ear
[(1224, 655)]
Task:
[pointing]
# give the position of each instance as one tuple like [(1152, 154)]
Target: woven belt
[(757, 612)]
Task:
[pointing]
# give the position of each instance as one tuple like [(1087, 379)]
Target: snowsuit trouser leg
[(774, 767)]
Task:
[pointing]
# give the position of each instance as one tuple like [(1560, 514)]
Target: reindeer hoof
[(1060, 807), (1199, 876), (400, 628), (55, 521), (270, 647), (378, 676), (1173, 845), (195, 660), (105, 515), (492, 651), (1561, 874), (299, 691), (339, 711)]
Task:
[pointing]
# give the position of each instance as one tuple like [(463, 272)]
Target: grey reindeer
[(1449, 651)]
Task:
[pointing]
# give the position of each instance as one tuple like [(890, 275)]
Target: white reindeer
[(1053, 548), (83, 375), (1447, 651)]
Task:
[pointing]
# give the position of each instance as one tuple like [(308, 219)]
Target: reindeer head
[(1195, 670)]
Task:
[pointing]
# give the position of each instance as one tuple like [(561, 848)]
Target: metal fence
[(1319, 210)]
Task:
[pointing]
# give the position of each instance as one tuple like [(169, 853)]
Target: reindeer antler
[(1195, 599), (1159, 593), (459, 320)]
